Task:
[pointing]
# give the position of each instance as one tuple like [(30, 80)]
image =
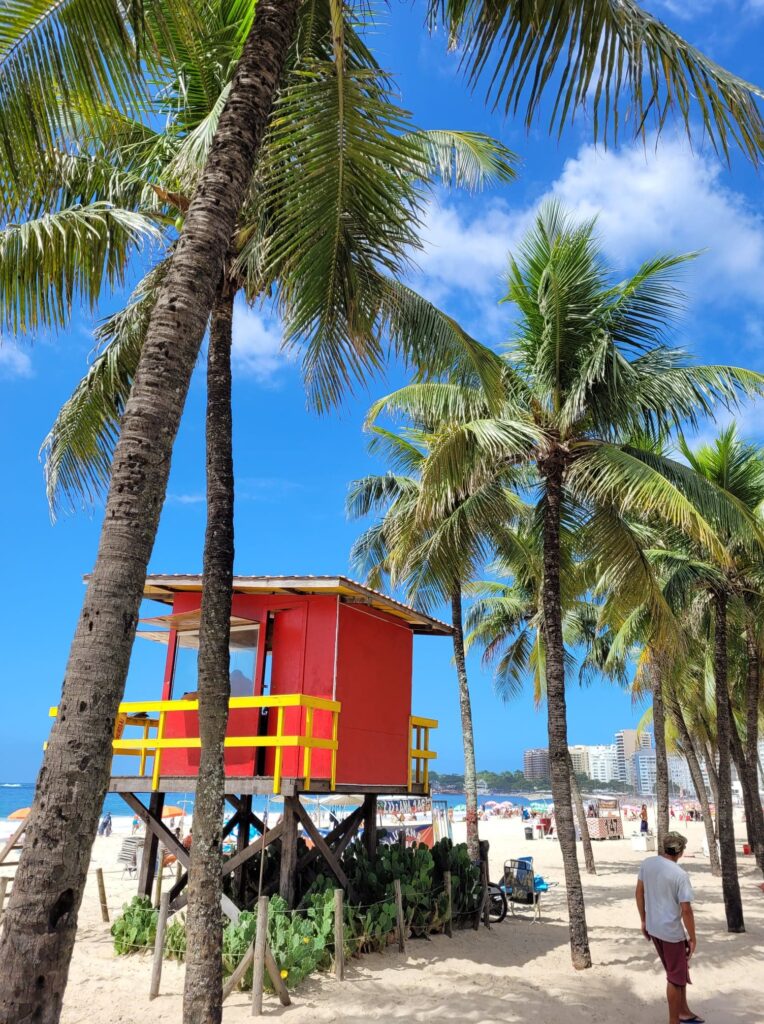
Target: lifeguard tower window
[(243, 654)]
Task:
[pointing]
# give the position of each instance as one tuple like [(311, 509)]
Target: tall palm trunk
[(468, 736), (578, 803), (203, 991), (661, 759), (556, 710), (751, 758), (733, 906), (754, 816), (688, 749), (713, 779), (41, 919)]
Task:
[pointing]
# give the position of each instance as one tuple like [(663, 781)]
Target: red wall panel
[(374, 685)]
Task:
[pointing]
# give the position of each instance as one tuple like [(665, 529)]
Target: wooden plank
[(13, 840), (288, 867), (258, 970), (150, 847), (4, 881), (370, 823), (344, 832), (320, 844), (276, 980), (240, 971), (253, 848), (156, 967), (257, 784), (399, 916), (339, 935), (102, 896), (450, 908)]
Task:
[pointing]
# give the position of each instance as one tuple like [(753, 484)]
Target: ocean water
[(14, 795)]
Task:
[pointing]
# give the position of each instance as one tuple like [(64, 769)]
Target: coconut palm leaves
[(612, 57)]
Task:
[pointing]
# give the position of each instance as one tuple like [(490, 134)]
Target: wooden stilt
[(339, 934), (156, 967), (399, 915), (320, 844), (148, 861), (242, 841), (288, 873), (258, 970), (370, 823)]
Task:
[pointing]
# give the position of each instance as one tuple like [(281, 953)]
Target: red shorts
[(675, 958)]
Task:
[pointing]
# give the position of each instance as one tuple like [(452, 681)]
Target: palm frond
[(77, 451), (613, 57), (469, 160), (48, 262)]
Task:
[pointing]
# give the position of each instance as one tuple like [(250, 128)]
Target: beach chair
[(520, 886), (128, 855)]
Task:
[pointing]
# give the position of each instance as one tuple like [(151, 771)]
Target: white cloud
[(13, 361), (257, 341), (670, 200), (186, 499), (647, 200)]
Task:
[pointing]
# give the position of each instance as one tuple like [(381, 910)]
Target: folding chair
[(519, 886)]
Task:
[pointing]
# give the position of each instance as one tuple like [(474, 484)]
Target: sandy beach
[(517, 971)]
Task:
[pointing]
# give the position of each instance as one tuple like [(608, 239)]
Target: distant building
[(536, 763), (603, 763), (627, 743), (644, 772), (679, 773), (580, 757)]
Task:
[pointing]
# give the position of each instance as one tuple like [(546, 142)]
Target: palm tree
[(588, 370), (736, 468), (505, 619), (431, 565), (50, 50)]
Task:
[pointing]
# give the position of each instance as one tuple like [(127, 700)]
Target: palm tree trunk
[(688, 749), (713, 779), (578, 803), (661, 759), (733, 906), (754, 816), (203, 990), (468, 736), (556, 711), (752, 711), (41, 919)]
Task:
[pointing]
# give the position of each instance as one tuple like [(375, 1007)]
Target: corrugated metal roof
[(160, 587)]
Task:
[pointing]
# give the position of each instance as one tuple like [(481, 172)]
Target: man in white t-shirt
[(664, 899)]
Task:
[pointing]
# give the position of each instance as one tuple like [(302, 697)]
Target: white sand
[(517, 971)]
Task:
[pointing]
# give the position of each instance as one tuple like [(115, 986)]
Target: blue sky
[(293, 467)]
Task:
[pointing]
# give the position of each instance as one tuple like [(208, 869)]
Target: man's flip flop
[(692, 1020)]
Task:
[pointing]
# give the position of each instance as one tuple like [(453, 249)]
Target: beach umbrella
[(18, 815), (173, 812), (491, 803), (340, 800)]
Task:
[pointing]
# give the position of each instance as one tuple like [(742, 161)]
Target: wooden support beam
[(242, 841), (253, 848), (320, 844), (13, 840), (370, 823), (158, 829), (341, 835), (288, 872), (150, 847)]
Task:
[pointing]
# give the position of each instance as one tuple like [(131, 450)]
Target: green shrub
[(175, 939), (136, 928)]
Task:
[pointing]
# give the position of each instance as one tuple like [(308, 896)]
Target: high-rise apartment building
[(603, 763), (536, 763), (579, 755), (628, 742)]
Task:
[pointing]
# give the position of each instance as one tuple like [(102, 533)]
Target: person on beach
[(643, 819), (664, 900)]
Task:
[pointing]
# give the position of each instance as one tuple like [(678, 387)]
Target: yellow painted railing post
[(279, 750), (335, 726), (158, 753), (308, 749), (426, 760)]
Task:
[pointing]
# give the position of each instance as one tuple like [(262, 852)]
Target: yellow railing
[(420, 754), (136, 713)]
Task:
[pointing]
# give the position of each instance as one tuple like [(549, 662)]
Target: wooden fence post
[(278, 982), (450, 904), (241, 970), (156, 969), (258, 971), (102, 896), (399, 915), (486, 908), (339, 934)]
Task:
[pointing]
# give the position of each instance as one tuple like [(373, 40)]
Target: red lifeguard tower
[(321, 678)]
